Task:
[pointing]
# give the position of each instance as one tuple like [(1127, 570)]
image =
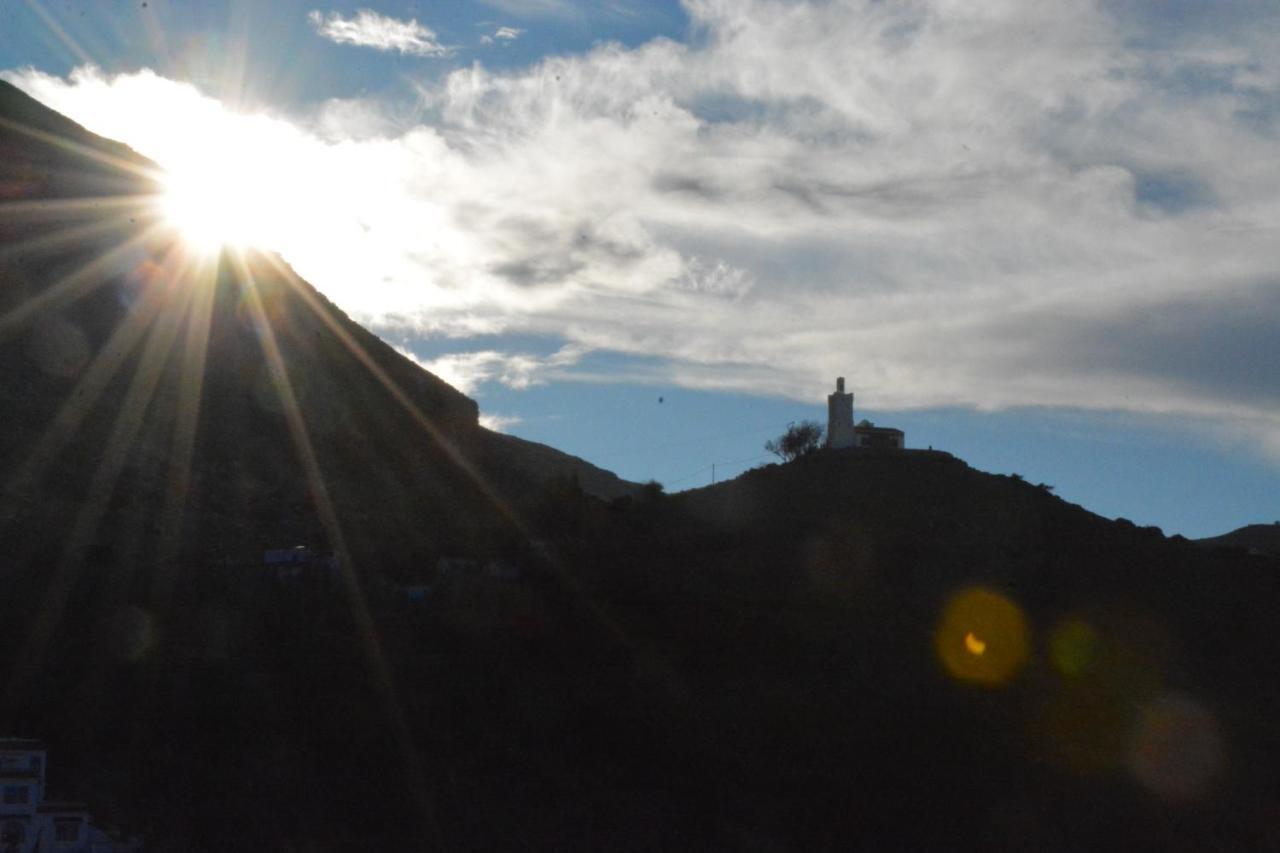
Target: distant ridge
[(1261, 539)]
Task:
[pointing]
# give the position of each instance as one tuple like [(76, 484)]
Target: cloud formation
[(380, 32), (467, 371), (499, 423), (998, 204), (506, 35)]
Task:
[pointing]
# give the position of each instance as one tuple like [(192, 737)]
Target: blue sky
[(1041, 236)]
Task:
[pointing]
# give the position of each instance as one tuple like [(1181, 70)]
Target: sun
[(221, 196), (211, 209)]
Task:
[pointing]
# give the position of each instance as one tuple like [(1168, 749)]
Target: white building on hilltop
[(31, 824), (842, 433)]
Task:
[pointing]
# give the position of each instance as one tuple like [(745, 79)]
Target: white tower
[(840, 432)]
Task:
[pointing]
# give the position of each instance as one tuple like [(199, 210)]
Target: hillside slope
[(100, 303), (807, 607)]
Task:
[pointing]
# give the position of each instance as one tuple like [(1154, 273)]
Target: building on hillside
[(842, 433), (31, 824), (870, 435), (300, 562)]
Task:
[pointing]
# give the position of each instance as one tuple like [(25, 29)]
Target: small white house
[(31, 824)]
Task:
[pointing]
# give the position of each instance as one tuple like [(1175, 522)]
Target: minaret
[(840, 418)]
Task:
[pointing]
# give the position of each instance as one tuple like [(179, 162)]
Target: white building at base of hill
[(31, 824)]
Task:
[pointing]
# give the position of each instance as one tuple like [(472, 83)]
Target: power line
[(714, 465), (691, 476)]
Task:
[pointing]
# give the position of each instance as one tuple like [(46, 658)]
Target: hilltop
[(1253, 538)]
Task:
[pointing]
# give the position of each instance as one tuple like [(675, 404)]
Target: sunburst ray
[(187, 419), (59, 208), (83, 397), (503, 506), (63, 237), (439, 436), (75, 285), (369, 637), (73, 47), (136, 168), (128, 423)]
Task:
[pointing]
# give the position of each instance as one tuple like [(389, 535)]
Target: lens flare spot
[(134, 633), (982, 637), (59, 348), (1177, 750), (1073, 647)]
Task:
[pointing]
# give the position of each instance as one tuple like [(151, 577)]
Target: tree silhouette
[(800, 439)]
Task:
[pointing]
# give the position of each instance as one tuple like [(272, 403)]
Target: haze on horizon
[(1046, 214)]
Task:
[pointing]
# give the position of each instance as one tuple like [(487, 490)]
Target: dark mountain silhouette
[(94, 291), (1252, 539), (867, 650)]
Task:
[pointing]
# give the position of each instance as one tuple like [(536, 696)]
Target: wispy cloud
[(502, 34), (380, 32), (989, 205), (499, 423), (467, 371)]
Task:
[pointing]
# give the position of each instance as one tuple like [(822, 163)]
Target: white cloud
[(467, 371), (499, 423), (380, 32), (508, 33), (996, 204)]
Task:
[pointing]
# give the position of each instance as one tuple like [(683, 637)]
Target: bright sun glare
[(220, 194), (205, 211)]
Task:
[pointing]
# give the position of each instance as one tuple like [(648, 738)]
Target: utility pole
[(713, 473)]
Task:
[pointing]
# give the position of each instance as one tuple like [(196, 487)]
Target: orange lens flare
[(982, 637)]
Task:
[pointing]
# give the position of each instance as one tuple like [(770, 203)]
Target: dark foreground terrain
[(512, 649)]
